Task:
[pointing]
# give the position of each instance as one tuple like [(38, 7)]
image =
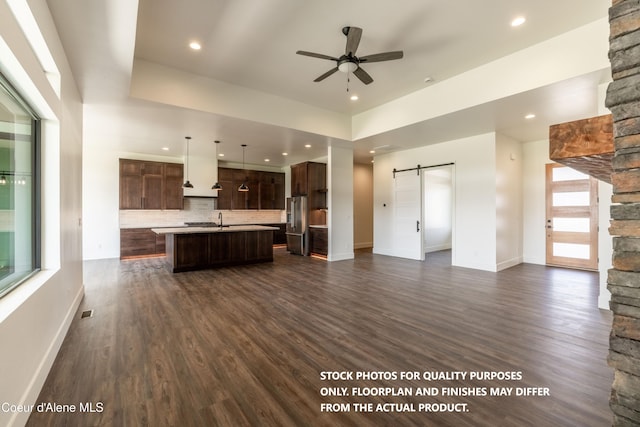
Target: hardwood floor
[(245, 346)]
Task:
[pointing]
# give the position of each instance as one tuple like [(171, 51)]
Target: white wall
[(35, 317), (474, 239), (362, 206), (340, 202), (438, 208), (508, 202), (535, 155)]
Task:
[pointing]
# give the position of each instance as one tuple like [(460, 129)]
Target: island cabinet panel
[(264, 245), (191, 250), (219, 248), (137, 242), (196, 251)]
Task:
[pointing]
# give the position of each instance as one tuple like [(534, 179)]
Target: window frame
[(36, 195)]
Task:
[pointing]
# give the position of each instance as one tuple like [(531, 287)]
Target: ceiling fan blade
[(327, 74), (353, 40), (379, 57), (316, 55), (363, 76)]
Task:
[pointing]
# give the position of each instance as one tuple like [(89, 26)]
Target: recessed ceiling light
[(530, 116), (195, 46), (221, 155), (372, 151), (354, 97), (285, 154), (307, 146), (518, 21), (267, 160), (165, 148)]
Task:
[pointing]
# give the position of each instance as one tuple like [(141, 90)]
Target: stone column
[(623, 99)]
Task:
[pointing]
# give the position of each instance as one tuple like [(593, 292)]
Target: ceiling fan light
[(347, 67)]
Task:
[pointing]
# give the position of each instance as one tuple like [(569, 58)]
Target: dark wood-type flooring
[(245, 346)]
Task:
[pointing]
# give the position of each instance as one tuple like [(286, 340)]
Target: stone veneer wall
[(623, 99)]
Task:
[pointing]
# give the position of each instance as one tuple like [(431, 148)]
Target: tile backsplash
[(197, 210)]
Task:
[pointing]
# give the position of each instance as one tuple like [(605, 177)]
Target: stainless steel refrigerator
[(297, 226)]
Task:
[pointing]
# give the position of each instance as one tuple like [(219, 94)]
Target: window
[(19, 189)]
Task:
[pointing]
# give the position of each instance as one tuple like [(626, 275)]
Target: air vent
[(87, 313)]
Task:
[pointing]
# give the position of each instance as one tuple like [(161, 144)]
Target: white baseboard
[(509, 263), (341, 257), (30, 395), (436, 248)]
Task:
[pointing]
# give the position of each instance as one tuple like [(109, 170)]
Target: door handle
[(417, 226)]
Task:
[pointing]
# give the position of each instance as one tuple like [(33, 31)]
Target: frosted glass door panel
[(576, 225), (567, 174), (573, 198), (571, 250)]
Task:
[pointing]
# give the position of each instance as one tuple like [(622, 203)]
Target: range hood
[(203, 169)]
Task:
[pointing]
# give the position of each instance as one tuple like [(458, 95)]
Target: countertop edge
[(199, 230)]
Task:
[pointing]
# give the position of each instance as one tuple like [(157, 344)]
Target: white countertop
[(225, 229)]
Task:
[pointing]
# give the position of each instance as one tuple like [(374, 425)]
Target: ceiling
[(252, 44)]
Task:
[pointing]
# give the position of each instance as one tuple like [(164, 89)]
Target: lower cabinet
[(196, 251), (280, 236), (319, 240), (136, 242)]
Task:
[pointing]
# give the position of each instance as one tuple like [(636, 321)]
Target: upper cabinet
[(150, 185), (266, 189), (310, 179)]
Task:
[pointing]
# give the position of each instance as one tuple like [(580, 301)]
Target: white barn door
[(407, 237)]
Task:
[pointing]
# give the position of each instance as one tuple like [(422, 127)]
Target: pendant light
[(217, 185), (187, 184), (243, 187)]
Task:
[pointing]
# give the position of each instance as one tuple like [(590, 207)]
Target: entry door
[(408, 215), (572, 218)]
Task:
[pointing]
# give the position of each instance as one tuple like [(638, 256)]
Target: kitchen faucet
[(220, 219)]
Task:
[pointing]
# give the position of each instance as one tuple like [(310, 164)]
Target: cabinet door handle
[(417, 226)]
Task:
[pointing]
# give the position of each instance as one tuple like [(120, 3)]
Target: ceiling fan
[(349, 62)]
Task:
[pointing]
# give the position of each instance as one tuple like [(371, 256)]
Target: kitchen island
[(197, 248)]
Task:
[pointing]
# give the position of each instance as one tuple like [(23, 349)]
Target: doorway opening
[(438, 197), (571, 218)]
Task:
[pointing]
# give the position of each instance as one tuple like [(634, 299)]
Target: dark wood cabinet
[(195, 251), (245, 199), (279, 236), (266, 189), (150, 185), (173, 175), (136, 242), (319, 241), (225, 196), (130, 184), (191, 250), (310, 179), (299, 179), (219, 248)]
